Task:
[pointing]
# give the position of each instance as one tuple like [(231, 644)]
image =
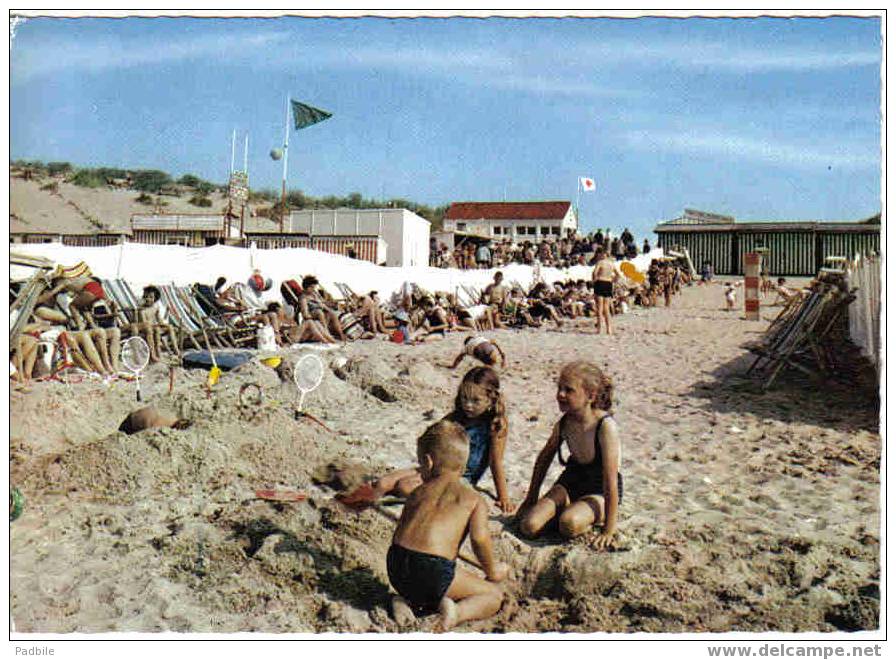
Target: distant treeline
[(158, 182)]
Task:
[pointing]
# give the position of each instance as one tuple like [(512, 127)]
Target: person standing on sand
[(602, 278)]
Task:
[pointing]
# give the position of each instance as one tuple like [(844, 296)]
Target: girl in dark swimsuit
[(479, 409), (590, 488)]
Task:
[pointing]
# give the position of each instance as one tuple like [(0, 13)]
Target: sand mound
[(743, 510)]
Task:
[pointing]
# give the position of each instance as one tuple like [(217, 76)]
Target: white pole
[(286, 144), (232, 149), (285, 160)]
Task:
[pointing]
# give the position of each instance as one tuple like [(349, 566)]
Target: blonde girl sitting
[(590, 488)]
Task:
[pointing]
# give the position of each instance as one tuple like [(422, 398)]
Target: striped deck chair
[(180, 318), (240, 327), (215, 332), (218, 326), (125, 304)]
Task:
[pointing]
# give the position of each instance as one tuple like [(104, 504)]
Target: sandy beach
[(743, 510)]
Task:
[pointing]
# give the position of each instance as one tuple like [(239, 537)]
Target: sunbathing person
[(422, 560), (87, 348), (149, 325), (24, 356), (540, 308), (312, 306), (436, 318), (371, 314), (85, 291)]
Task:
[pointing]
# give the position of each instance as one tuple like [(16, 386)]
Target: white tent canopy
[(141, 265)]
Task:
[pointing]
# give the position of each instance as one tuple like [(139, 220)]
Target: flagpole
[(285, 161), (232, 149), (578, 190), (246, 157)]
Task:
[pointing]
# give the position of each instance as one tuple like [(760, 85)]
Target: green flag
[(305, 115)]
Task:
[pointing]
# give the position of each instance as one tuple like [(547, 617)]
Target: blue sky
[(762, 119)]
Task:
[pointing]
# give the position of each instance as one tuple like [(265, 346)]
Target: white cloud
[(727, 57), (86, 55), (734, 147)]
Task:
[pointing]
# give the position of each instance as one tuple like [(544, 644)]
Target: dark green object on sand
[(16, 503)]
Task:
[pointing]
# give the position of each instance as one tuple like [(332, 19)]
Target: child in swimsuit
[(487, 352), (479, 409), (730, 296), (590, 488), (422, 560)]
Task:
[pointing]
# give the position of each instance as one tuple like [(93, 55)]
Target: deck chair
[(473, 293), (351, 298), (226, 330), (124, 301), (178, 316)]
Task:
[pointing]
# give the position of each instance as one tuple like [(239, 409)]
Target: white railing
[(864, 312)]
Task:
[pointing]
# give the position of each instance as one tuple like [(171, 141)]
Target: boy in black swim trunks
[(436, 518), (590, 488)]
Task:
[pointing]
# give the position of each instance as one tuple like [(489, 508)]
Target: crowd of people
[(79, 324), (570, 250)]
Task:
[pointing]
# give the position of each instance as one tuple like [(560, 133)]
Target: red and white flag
[(588, 185)]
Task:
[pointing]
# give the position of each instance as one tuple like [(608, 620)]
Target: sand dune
[(743, 510)]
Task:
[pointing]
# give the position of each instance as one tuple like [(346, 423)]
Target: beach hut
[(789, 248), (187, 229)]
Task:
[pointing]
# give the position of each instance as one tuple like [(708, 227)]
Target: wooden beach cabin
[(790, 248), (188, 229)]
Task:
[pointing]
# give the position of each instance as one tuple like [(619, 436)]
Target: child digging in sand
[(480, 412), (487, 352), (422, 560), (590, 488)]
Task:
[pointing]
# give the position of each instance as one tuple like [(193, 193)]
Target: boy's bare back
[(436, 517)]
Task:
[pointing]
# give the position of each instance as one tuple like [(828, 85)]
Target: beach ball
[(276, 154)]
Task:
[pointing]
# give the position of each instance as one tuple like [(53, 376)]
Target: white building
[(406, 234), (518, 221)]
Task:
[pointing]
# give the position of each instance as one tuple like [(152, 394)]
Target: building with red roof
[(517, 221)]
